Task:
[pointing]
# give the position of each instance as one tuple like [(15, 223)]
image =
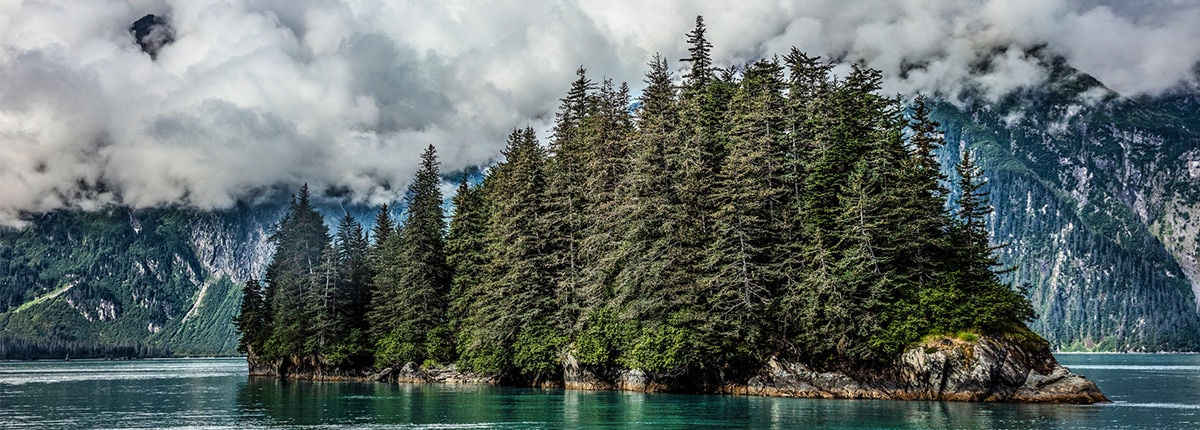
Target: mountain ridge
[(1096, 196)]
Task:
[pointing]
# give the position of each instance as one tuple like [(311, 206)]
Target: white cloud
[(254, 94)]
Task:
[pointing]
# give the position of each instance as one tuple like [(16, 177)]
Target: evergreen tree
[(606, 136), (657, 110), (353, 275), (301, 243), (701, 72), (645, 289), (384, 228), (748, 197), (253, 320), (507, 328), (645, 201), (466, 252), (565, 194), (326, 300), (412, 291), (809, 82), (973, 209), (989, 304)]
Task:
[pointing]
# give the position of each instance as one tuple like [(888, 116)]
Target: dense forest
[(731, 216)]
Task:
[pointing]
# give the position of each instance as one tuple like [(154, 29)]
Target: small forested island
[(774, 230)]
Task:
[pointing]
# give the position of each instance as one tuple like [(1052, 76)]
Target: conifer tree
[(989, 304), (353, 275), (412, 290), (466, 251), (507, 329), (636, 265), (973, 209), (645, 203), (701, 72), (253, 320), (327, 301), (748, 198), (809, 83), (565, 195), (384, 228), (606, 136), (301, 242)]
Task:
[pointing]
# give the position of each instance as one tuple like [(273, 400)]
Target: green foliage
[(439, 345), (603, 339), (538, 350), (667, 348), (397, 348), (298, 283), (348, 350), (253, 320)]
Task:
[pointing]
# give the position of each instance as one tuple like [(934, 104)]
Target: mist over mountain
[(257, 94)]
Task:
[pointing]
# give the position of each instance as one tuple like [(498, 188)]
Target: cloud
[(344, 94)]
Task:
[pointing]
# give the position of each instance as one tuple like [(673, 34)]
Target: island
[(778, 229)]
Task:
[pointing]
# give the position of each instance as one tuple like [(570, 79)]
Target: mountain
[(1098, 200), (123, 282)]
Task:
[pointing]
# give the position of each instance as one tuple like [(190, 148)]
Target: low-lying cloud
[(248, 95)]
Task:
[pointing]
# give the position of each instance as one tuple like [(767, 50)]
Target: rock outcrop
[(308, 368), (987, 369)]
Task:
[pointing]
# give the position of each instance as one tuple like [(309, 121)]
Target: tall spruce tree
[(809, 82), (749, 194), (606, 136), (253, 322), (353, 274), (384, 228), (701, 71), (466, 251), (989, 304), (325, 299), (412, 290), (508, 329), (644, 291), (565, 194), (645, 204), (301, 243)]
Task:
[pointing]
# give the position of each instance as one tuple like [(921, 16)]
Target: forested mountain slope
[(117, 282), (1098, 198)]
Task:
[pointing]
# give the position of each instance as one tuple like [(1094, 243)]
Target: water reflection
[(305, 403), (1150, 392)]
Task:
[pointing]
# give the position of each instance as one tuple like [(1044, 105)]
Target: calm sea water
[(1149, 392)]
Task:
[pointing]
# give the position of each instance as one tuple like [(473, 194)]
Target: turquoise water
[(1149, 392)]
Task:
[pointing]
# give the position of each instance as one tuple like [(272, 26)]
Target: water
[(1149, 391)]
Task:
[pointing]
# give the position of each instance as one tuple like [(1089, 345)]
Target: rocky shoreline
[(944, 369)]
